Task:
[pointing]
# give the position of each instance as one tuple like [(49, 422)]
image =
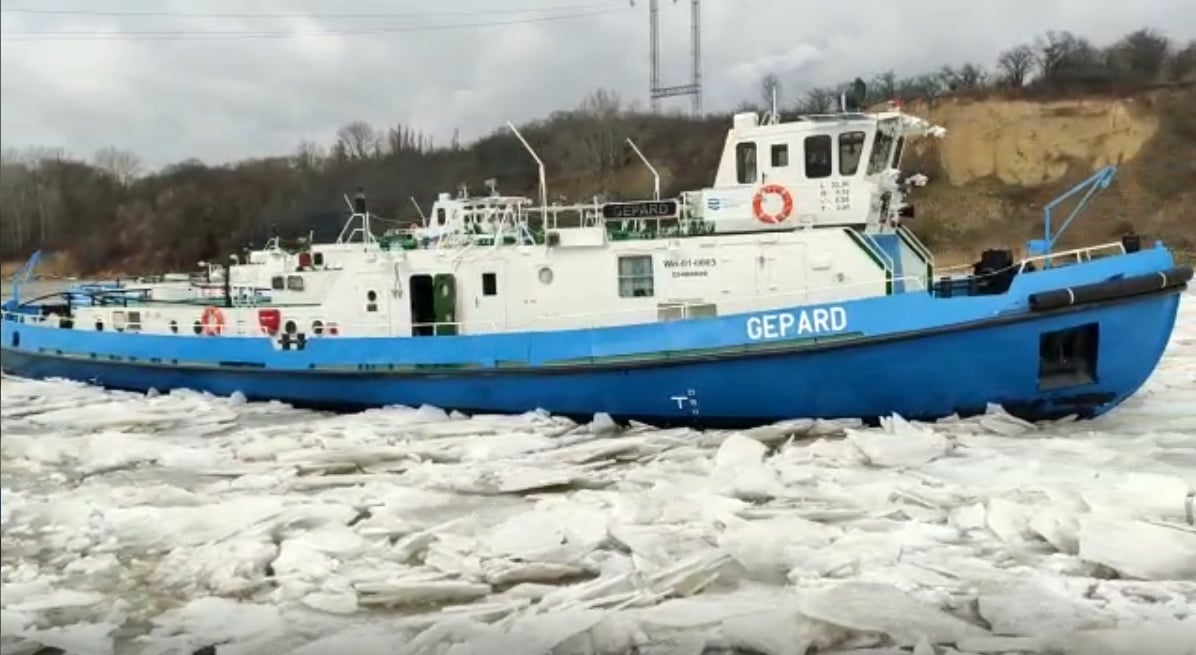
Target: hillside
[(1003, 160), (1045, 117)]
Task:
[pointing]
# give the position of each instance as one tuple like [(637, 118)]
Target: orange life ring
[(758, 204), (212, 320)]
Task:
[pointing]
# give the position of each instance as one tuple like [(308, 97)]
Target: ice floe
[(184, 523)]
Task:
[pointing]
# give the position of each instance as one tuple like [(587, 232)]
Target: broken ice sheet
[(871, 607), (292, 519)]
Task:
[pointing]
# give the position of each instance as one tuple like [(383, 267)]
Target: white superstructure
[(797, 214)]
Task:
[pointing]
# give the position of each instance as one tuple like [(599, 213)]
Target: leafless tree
[(1141, 54), (818, 101), (122, 165), (1182, 65), (357, 140), (600, 115), (770, 86), (883, 86), (1015, 65), (309, 155)]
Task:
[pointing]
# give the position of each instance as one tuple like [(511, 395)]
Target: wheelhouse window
[(882, 151), (851, 151), (635, 276), (898, 151), (745, 162), (780, 155), (818, 156)]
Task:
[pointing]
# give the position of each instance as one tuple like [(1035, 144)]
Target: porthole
[(174, 327), (371, 296), (545, 275), (290, 327), (317, 327), (197, 327), (99, 325)]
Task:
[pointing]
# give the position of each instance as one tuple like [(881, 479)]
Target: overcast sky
[(172, 98)]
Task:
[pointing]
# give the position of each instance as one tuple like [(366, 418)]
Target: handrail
[(245, 327), (1078, 253), (1098, 182), (917, 244), (875, 249), (741, 304), (1081, 254)]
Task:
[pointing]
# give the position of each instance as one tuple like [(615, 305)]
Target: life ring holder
[(758, 204), (212, 320)]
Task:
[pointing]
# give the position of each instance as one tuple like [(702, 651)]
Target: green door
[(444, 286)]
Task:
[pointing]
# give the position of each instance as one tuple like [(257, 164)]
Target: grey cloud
[(226, 99)]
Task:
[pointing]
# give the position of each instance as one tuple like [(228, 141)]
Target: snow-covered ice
[(183, 523)]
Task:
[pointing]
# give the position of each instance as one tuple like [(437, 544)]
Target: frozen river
[(184, 523)]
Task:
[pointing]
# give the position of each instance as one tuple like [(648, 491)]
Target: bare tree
[(818, 101), (884, 86), (120, 164), (770, 88), (1015, 65), (309, 155), (357, 140), (600, 115), (1182, 65), (1141, 54), (1065, 58), (966, 77), (602, 104), (926, 87)]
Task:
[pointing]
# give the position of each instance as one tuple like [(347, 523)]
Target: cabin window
[(818, 156), (295, 283), (898, 151), (489, 284), (318, 259), (882, 150), (851, 151), (745, 162), (780, 155), (134, 323), (278, 283), (635, 276), (440, 216), (371, 301)]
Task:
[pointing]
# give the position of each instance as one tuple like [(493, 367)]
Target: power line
[(222, 35), (251, 15)]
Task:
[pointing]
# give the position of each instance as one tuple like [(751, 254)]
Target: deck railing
[(828, 295), (1073, 256)]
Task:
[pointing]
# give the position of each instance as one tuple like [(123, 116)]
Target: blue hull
[(911, 354)]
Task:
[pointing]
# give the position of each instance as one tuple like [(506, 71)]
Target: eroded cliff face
[(1003, 160)]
